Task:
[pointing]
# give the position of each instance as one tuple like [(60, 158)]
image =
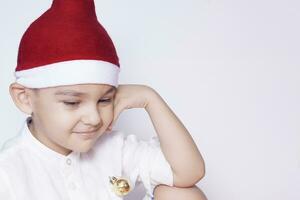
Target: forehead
[(83, 90)]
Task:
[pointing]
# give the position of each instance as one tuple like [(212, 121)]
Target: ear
[(21, 97)]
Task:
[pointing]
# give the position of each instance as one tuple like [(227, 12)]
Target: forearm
[(176, 143)]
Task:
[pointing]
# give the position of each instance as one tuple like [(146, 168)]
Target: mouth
[(86, 135), (89, 132)]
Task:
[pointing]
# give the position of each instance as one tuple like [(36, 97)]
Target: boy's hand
[(130, 96)]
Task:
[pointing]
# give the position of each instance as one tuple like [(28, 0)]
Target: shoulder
[(8, 168), (106, 153), (135, 144), (108, 146), (6, 191), (114, 137), (11, 154), (118, 139)]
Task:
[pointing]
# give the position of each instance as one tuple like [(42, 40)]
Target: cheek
[(57, 117), (59, 121), (107, 115), (64, 118)]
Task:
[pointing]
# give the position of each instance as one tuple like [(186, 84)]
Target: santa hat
[(67, 45)]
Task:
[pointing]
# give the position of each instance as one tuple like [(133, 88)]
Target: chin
[(83, 149)]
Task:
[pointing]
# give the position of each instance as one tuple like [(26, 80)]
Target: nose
[(91, 117)]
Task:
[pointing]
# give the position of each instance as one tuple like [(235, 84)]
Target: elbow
[(190, 178), (202, 170), (199, 175)]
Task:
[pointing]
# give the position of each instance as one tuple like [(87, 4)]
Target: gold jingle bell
[(120, 186)]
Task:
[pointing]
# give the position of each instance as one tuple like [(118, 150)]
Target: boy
[(67, 81)]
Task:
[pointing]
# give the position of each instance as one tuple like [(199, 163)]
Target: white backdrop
[(229, 70)]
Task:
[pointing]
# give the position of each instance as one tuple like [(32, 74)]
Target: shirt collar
[(45, 152)]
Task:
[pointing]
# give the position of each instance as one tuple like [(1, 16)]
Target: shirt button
[(69, 161)]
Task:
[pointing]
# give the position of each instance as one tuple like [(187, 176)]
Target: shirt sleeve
[(5, 189), (144, 161)]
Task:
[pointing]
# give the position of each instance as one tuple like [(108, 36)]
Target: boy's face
[(61, 115)]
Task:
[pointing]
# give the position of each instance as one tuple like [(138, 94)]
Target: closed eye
[(105, 100), (71, 103), (74, 103)]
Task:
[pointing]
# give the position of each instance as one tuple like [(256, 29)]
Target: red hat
[(67, 45)]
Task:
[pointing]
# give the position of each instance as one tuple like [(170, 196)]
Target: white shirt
[(29, 170)]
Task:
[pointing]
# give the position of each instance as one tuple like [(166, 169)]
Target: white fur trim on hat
[(69, 73)]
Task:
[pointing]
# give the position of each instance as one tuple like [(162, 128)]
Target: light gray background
[(228, 69)]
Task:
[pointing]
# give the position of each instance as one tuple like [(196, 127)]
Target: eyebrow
[(78, 94)]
